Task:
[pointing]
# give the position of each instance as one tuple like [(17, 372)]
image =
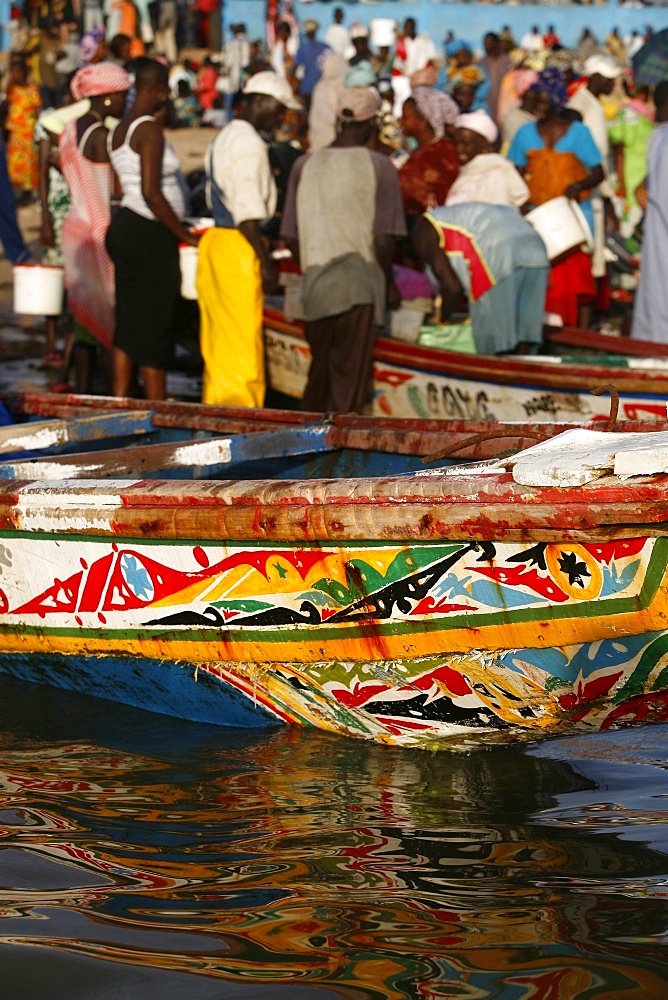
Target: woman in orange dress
[(23, 106), (557, 156)]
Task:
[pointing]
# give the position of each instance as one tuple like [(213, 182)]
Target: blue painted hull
[(165, 687)]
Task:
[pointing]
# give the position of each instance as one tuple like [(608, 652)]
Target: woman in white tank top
[(144, 236)]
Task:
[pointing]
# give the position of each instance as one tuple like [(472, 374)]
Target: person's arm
[(384, 247), (426, 245), (593, 178), (252, 231), (47, 236), (389, 223), (289, 227), (642, 194), (149, 142), (618, 152)]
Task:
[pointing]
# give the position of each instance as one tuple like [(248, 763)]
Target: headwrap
[(360, 75), (553, 83), (473, 76), (99, 78), (89, 44), (358, 104), (438, 108), (523, 78), (455, 46), (564, 59), (333, 65), (480, 122)]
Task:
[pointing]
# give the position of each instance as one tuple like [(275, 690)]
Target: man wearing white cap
[(484, 175), (342, 212), (601, 73), (235, 266)]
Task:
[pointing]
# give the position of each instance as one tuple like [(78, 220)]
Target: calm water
[(144, 858)]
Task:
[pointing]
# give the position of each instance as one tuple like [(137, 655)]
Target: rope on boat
[(614, 403), (451, 449)]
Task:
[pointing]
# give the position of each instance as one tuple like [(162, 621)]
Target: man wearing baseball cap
[(342, 212), (235, 267)]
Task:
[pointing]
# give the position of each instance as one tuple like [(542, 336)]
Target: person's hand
[(192, 239), (573, 191)]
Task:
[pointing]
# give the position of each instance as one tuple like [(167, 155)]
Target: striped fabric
[(89, 272)]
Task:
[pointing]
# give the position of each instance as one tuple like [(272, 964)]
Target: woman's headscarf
[(360, 75), (438, 108), (99, 78), (333, 66), (552, 82), (455, 46), (523, 78)]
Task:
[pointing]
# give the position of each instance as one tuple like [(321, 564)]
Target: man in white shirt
[(601, 73), (532, 41), (337, 35), (235, 267), (284, 50), (413, 52)]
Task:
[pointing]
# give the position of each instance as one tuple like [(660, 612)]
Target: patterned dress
[(23, 105)]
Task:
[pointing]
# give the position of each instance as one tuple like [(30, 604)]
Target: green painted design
[(416, 401), (364, 579), (648, 661), (555, 684), (247, 606)]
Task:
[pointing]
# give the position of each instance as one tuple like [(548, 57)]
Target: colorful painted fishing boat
[(510, 599), (427, 382)]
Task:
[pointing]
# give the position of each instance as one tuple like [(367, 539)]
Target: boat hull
[(429, 643), (417, 382)]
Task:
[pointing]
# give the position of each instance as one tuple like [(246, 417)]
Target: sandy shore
[(22, 337)]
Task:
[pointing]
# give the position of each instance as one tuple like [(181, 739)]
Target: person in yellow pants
[(235, 267)]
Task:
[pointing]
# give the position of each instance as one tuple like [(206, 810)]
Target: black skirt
[(148, 281)]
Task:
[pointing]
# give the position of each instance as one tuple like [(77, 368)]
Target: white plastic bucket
[(38, 290), (188, 260), (382, 31), (562, 226)]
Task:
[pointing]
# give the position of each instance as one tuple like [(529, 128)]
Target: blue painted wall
[(467, 20), (4, 19)]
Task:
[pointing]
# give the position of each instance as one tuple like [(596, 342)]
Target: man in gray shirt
[(342, 213)]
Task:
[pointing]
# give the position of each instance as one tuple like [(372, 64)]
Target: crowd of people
[(372, 159)]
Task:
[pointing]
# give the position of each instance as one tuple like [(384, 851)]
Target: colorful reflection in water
[(143, 857)]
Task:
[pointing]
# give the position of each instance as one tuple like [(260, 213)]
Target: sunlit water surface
[(145, 858)]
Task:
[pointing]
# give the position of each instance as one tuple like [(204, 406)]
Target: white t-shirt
[(337, 37), (239, 161)]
